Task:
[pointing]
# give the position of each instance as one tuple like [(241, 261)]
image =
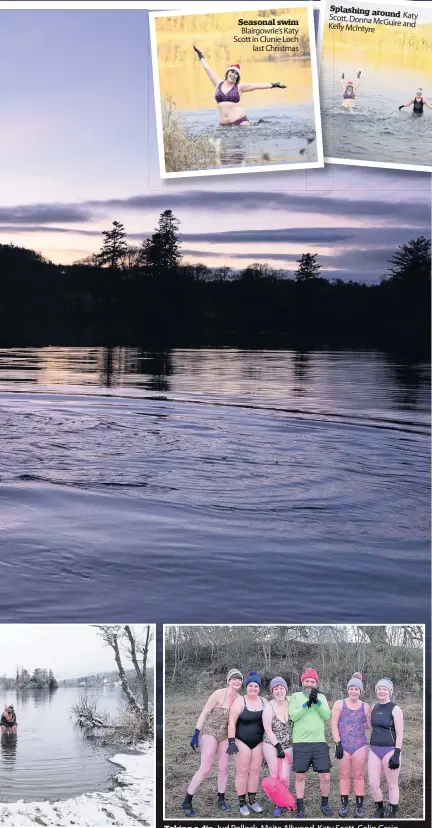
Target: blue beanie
[(252, 676)]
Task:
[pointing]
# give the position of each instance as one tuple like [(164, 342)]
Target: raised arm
[(215, 79), (343, 82), (250, 87), (337, 707), (356, 84)]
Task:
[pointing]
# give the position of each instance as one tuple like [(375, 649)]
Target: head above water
[(10, 709), (419, 93), (232, 74)]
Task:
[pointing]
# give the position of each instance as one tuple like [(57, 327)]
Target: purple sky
[(78, 150)]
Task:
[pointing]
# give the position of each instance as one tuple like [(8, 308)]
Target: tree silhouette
[(411, 263), (114, 246), (162, 251), (308, 268)]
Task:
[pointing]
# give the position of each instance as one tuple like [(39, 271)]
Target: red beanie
[(310, 673)]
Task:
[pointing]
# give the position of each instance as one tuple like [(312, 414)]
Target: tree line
[(149, 295), (40, 679)]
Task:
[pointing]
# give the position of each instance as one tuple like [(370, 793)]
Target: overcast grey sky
[(67, 649)]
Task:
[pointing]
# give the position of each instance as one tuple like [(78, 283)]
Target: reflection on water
[(192, 471), (50, 758), (375, 129)]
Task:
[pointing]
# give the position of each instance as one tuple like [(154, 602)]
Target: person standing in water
[(228, 92), (211, 734), (386, 720), (349, 91), (348, 723), (8, 721), (309, 711), (418, 103)]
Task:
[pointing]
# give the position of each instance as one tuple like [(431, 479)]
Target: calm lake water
[(273, 137), (50, 758), (376, 130), (213, 485)]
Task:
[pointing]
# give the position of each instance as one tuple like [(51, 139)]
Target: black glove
[(279, 85), (342, 75), (232, 747), (358, 74), (394, 760), (280, 753), (313, 695), (194, 740), (401, 107), (200, 54), (339, 751)]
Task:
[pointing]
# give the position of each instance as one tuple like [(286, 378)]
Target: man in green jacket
[(308, 710)]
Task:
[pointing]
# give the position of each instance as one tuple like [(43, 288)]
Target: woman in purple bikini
[(229, 90), (349, 722), (386, 720), (349, 91)]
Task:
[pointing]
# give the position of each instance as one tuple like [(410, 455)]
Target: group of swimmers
[(349, 94), (8, 721), (250, 728)]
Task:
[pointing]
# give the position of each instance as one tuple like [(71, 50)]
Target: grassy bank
[(181, 712), (183, 150)]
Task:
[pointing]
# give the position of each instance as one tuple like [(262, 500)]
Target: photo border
[(221, 7), (234, 820), (352, 162)]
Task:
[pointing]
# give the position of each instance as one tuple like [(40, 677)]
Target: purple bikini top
[(349, 94), (233, 96)]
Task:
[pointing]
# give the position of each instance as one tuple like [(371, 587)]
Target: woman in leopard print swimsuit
[(277, 738), (211, 734)]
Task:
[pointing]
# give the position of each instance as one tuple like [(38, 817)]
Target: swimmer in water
[(349, 91), (228, 92), (418, 103)]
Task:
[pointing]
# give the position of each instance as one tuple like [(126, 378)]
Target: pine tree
[(411, 263), (308, 268), (114, 246), (162, 251)]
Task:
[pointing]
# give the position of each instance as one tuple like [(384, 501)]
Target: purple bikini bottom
[(243, 120), (380, 751)]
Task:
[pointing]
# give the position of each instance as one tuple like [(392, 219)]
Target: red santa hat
[(310, 673), (235, 67)]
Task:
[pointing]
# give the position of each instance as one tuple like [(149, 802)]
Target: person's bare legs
[(345, 774), (358, 766), (392, 778), (208, 746), (324, 783), (14, 730), (223, 764), (300, 780), (286, 767), (374, 776), (3, 730), (254, 768), (242, 760), (271, 759)]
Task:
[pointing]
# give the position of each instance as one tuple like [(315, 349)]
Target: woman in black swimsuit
[(418, 103), (245, 741), (228, 91)]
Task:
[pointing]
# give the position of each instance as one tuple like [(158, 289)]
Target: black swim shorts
[(316, 754)]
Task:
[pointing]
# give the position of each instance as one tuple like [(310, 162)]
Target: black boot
[(187, 806), (379, 810)]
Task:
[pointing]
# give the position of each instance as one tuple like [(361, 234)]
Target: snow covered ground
[(130, 803)]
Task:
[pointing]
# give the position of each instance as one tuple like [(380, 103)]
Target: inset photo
[(376, 84), (77, 725), (294, 721), (236, 91)]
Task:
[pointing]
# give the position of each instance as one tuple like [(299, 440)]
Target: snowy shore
[(130, 803)]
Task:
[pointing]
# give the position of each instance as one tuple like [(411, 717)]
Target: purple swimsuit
[(349, 95), (233, 96), (352, 728)]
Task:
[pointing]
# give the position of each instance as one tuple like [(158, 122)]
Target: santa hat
[(310, 673), (235, 67), (350, 83)]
